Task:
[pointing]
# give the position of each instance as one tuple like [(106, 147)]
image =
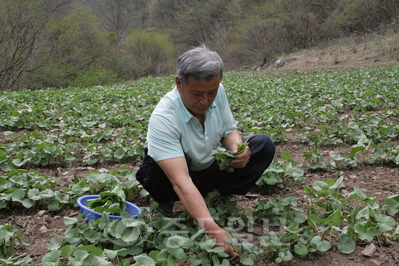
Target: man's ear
[(178, 83)]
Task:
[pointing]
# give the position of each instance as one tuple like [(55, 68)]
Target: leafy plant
[(223, 156), (50, 128), (109, 202), (315, 159), (10, 238)]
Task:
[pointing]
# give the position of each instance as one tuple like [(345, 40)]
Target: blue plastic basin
[(90, 215)]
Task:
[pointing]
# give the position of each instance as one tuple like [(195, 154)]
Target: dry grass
[(372, 50)]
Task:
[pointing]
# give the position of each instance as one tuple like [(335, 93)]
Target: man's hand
[(220, 235), (230, 142), (242, 159)]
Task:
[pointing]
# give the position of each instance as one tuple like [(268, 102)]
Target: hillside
[(371, 50)]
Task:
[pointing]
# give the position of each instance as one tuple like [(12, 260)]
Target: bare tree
[(120, 16), (22, 29), (207, 22), (163, 12)]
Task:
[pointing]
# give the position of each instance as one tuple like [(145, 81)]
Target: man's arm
[(177, 172), (230, 142)]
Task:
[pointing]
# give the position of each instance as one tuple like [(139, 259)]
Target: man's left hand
[(242, 159)]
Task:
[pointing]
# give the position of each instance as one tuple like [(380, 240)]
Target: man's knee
[(262, 143)]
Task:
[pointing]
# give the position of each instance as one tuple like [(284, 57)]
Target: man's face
[(197, 96)]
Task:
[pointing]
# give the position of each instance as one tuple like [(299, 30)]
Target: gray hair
[(201, 63)]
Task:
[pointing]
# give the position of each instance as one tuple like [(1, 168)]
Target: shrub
[(94, 76), (147, 54)]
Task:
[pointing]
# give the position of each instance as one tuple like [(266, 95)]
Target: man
[(187, 124)]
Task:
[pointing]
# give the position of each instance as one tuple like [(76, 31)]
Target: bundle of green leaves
[(224, 156), (108, 202)]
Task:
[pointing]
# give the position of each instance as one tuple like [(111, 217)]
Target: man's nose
[(205, 99)]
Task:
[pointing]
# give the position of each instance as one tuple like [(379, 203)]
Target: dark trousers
[(154, 180)]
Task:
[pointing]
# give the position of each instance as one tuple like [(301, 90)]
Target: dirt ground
[(39, 226)]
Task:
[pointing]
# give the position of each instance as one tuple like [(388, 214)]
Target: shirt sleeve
[(163, 139)]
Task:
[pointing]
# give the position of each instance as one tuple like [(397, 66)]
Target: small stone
[(345, 192), (43, 229), (376, 262), (369, 250), (353, 176), (40, 213)]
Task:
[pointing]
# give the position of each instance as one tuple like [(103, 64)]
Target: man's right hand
[(220, 235)]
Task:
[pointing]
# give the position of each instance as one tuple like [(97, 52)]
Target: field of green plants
[(338, 121)]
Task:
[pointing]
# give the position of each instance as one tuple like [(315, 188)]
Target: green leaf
[(208, 244), (359, 193), (346, 245), (47, 194), (18, 162), (245, 259), (363, 213), (33, 194), (7, 167), (324, 246), (143, 260), (320, 186), (365, 233), (70, 220), (91, 249), (315, 220), (154, 254), (54, 244), (301, 249), (51, 258), (54, 205), (131, 235), (119, 154), (178, 253), (385, 222), (355, 149), (81, 255), (162, 255), (335, 218), (286, 156)]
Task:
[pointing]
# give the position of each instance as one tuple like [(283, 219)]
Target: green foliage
[(10, 239), (82, 48), (109, 202), (147, 54), (104, 125), (279, 170), (95, 75), (292, 231), (30, 187), (223, 156)]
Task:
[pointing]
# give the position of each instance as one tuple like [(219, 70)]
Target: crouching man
[(187, 124)]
